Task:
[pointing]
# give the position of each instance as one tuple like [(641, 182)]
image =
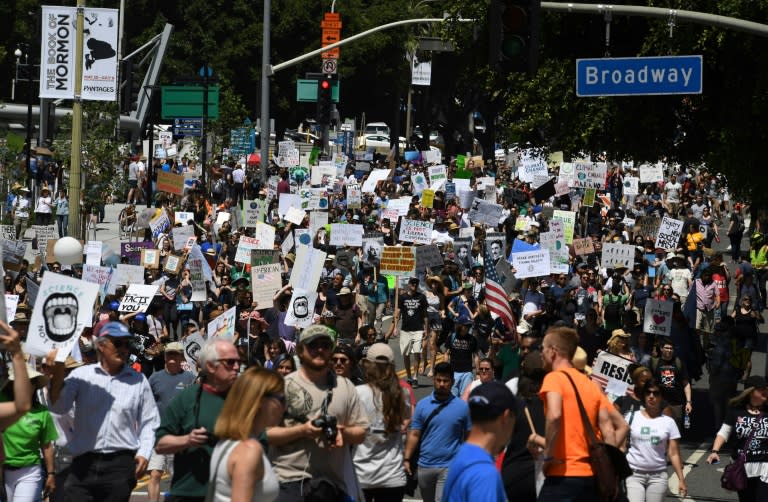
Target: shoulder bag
[(609, 464), (412, 480), (734, 475)]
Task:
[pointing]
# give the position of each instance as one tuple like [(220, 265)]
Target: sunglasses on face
[(320, 344), (653, 393), (483, 370), (340, 360), (229, 362)]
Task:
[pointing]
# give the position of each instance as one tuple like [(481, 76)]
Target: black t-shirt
[(413, 310), (462, 348), (743, 424), (672, 376)]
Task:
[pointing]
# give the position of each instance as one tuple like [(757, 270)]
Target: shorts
[(410, 342), (705, 320), (158, 462), (133, 183)]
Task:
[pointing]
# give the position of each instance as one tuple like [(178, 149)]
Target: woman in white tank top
[(240, 470)]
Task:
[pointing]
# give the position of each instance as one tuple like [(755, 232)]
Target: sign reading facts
[(397, 260)]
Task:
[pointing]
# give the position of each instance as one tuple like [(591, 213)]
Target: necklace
[(753, 409)]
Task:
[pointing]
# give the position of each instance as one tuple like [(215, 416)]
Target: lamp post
[(30, 78)]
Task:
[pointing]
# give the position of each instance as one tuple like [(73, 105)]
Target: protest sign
[(132, 250), (657, 318), (531, 264), (295, 215), (466, 197), (437, 175), (11, 304), (323, 173), (346, 234), (354, 197), (373, 242), (612, 372), (197, 278), (183, 217), (128, 274), (93, 252), (558, 252), (180, 236), (307, 267), (137, 298), (244, 247), (159, 223), (317, 220), (490, 193), (374, 177), (265, 236), (300, 308), (193, 344), (264, 256), (402, 205), (589, 174), (170, 182), (415, 231), (253, 212), (428, 257), (98, 275), (287, 244), (150, 258), (589, 197), (13, 253), (566, 173), (223, 326), (8, 232), (173, 264), (669, 233), (427, 197), (628, 222), (287, 201), (63, 307), (583, 246), (631, 185), (647, 226), (562, 188), (617, 255), (450, 191), (397, 260), (418, 183), (569, 221), (484, 212), (530, 167), (651, 173), (43, 234), (266, 280)]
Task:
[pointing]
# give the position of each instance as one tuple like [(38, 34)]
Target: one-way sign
[(639, 76)]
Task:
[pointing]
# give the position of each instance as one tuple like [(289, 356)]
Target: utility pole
[(74, 227), (266, 72)]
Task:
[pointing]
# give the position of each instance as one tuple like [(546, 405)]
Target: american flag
[(495, 296)]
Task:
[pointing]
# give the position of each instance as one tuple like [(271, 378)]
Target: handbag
[(609, 464), (412, 479), (734, 476)]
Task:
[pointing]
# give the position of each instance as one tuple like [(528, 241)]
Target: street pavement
[(703, 479)]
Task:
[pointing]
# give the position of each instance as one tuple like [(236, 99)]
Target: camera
[(328, 424)]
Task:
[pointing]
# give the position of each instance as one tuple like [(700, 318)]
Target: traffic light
[(324, 99), (514, 35), (129, 94)]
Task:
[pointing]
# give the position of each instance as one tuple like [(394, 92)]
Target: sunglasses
[(483, 370), (653, 393), (229, 362), (120, 343), (320, 344), (279, 397), (340, 360)]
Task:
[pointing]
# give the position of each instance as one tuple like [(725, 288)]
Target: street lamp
[(29, 70)]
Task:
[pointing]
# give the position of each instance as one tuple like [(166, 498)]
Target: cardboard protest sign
[(93, 252), (558, 252), (223, 326), (301, 308), (589, 174), (428, 257), (589, 197), (651, 173), (170, 182), (346, 234), (183, 217), (253, 212), (132, 250), (150, 258), (193, 344), (657, 318), (137, 298), (266, 280), (569, 221), (374, 177), (531, 264), (583, 246), (419, 183), (669, 233), (180, 236), (402, 205), (63, 307), (647, 226), (397, 260), (307, 267), (427, 197), (173, 264), (373, 242), (437, 175), (466, 197), (197, 278), (354, 197), (617, 255), (631, 185), (484, 212), (416, 231), (8, 232), (613, 373)]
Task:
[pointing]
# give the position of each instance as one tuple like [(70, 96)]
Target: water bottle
[(686, 421)]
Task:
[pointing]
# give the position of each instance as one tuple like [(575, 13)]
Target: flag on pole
[(495, 296)]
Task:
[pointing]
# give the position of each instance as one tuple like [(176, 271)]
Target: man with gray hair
[(186, 427)]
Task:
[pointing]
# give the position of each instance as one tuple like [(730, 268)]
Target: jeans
[(24, 484), (375, 314), (97, 477), (736, 246), (461, 380), (647, 487), (432, 482), (63, 221), (568, 489)]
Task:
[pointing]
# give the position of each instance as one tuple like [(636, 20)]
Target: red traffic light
[(325, 84)]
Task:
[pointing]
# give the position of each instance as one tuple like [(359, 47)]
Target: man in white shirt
[(238, 176), (672, 195)]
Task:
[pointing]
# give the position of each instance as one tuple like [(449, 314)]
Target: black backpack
[(613, 309)]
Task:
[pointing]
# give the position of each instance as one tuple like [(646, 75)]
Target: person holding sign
[(412, 310)]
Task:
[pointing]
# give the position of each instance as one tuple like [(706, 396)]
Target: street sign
[(332, 16), (306, 90), (331, 25), (188, 127), (187, 101), (329, 66), (639, 76), (331, 37), (331, 54)]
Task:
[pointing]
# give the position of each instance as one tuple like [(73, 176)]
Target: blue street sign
[(639, 76)]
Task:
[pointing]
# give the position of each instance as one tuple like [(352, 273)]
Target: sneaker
[(414, 382)]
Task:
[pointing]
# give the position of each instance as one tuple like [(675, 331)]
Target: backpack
[(613, 309), (655, 364)]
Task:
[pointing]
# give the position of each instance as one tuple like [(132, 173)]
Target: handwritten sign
[(558, 252), (437, 176), (583, 246), (170, 183), (589, 174), (416, 231), (487, 213), (266, 280), (589, 197), (651, 173), (398, 260), (569, 221), (253, 212), (657, 318), (343, 234), (618, 255), (8, 233), (132, 250), (427, 197), (669, 233), (354, 197), (138, 297), (631, 185), (612, 371), (531, 263), (428, 257), (647, 226), (223, 326)]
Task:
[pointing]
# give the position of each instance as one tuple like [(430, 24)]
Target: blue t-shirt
[(445, 433), (473, 476)]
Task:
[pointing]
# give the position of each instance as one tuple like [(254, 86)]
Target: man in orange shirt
[(565, 444)]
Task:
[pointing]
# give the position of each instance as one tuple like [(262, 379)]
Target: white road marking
[(688, 463)]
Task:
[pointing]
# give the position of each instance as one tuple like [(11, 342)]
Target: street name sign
[(639, 76)]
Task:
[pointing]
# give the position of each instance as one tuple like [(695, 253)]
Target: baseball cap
[(115, 329), (380, 353), (489, 400), (174, 347), (314, 332)]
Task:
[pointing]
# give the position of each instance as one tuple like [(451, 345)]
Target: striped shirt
[(112, 413)]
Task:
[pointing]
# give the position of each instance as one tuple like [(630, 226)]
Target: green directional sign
[(187, 101), (306, 90)]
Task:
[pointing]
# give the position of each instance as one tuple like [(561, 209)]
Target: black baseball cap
[(489, 400)]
